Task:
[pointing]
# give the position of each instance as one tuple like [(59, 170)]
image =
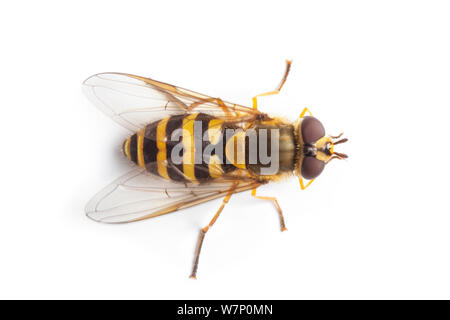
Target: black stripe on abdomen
[(201, 170), (175, 171), (150, 149), (133, 148)]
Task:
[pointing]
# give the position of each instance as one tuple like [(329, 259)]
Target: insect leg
[(203, 232), (304, 112), (217, 100), (277, 90), (280, 213), (302, 185)]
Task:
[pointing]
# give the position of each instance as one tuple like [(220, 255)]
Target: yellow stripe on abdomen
[(126, 148), (215, 130), (235, 150), (189, 147), (215, 167), (161, 156), (140, 148)]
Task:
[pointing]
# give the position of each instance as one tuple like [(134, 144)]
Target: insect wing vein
[(139, 195)]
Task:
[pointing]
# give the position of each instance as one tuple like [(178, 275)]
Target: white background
[(375, 226)]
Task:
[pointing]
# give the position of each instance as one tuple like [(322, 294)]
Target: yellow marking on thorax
[(189, 147), (161, 156), (235, 150), (214, 167), (127, 148), (140, 148), (215, 130)]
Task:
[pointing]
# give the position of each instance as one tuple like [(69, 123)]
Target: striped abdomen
[(172, 147), (198, 147)]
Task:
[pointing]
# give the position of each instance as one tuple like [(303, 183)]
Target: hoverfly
[(169, 125)]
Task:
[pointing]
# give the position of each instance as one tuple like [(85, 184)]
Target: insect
[(189, 148)]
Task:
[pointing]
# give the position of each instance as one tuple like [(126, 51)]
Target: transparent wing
[(134, 101), (139, 195)]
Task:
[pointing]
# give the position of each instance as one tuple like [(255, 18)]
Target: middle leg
[(274, 200), (277, 90)]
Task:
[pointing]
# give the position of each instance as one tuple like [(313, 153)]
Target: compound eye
[(312, 167), (312, 130)]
